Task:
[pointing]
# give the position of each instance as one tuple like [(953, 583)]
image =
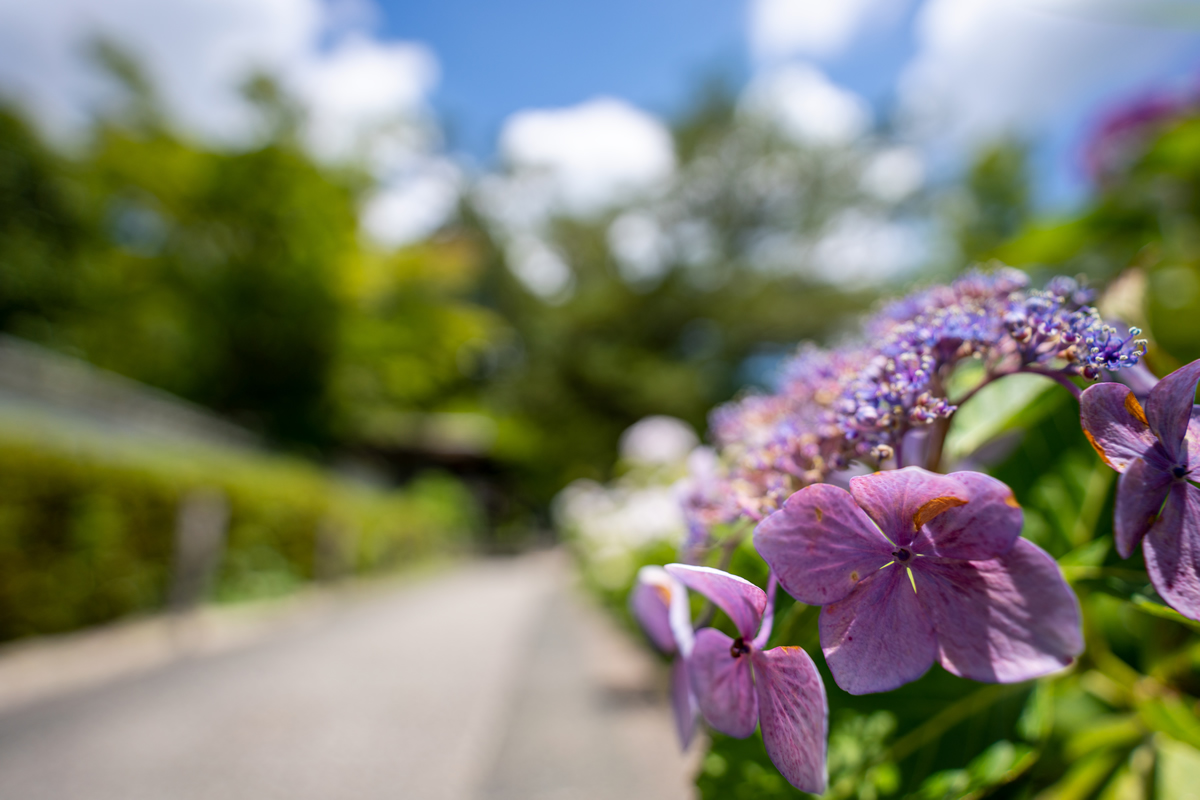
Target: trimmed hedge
[(87, 524)]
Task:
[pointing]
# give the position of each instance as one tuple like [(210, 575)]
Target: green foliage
[(87, 525), (994, 202), (42, 230), (1145, 216)]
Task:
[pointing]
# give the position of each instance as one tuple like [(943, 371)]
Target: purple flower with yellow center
[(739, 684), (660, 605), (1157, 452), (913, 567)]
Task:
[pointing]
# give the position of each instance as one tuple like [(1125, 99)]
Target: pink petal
[(985, 527), (723, 684), (650, 603), (740, 599), (821, 544), (794, 715), (1172, 550), (879, 637), (683, 703), (1170, 408), (1003, 620), (902, 501), (1115, 424), (1141, 491)]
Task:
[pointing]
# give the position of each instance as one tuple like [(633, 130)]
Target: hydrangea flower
[(660, 605), (739, 685), (862, 402), (1157, 452), (913, 567)]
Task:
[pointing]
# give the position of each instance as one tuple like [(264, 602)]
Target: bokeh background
[(295, 290)]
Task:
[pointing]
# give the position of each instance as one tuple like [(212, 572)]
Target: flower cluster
[(866, 402), (738, 684), (1053, 329), (909, 567)]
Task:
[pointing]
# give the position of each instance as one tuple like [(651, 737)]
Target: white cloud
[(198, 52), (640, 246), (894, 174), (783, 28), (539, 267), (807, 105), (362, 84), (592, 154), (858, 246), (413, 205), (363, 97), (990, 67)]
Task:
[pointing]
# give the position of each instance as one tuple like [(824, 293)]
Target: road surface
[(492, 681)]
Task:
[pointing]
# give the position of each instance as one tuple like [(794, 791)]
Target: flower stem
[(1058, 377)]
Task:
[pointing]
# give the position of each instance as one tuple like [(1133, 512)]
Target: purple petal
[(1193, 442), (983, 528), (740, 599), (650, 604), (1003, 620), (1140, 494), (903, 500), (723, 684), (1172, 550), (1115, 424), (821, 544), (1169, 408), (794, 715), (683, 703), (879, 637)]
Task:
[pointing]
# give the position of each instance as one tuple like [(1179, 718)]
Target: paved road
[(492, 682)]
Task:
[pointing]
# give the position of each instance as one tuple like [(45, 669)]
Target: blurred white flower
[(658, 440)]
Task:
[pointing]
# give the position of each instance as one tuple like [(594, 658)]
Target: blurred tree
[(993, 201), (1145, 215), (238, 279), (211, 274), (731, 289), (43, 231)]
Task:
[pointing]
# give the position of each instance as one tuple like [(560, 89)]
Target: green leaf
[(1084, 777), (1159, 610), (1108, 732), (1170, 715), (1178, 768)]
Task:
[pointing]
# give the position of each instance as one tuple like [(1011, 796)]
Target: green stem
[(1093, 503)]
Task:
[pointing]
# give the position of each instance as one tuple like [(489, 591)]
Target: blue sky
[(961, 71), (500, 57)]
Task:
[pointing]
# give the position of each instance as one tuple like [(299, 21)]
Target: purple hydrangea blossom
[(1124, 135), (660, 605), (1052, 329), (989, 316), (913, 567), (740, 685), (864, 403), (1157, 452)]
